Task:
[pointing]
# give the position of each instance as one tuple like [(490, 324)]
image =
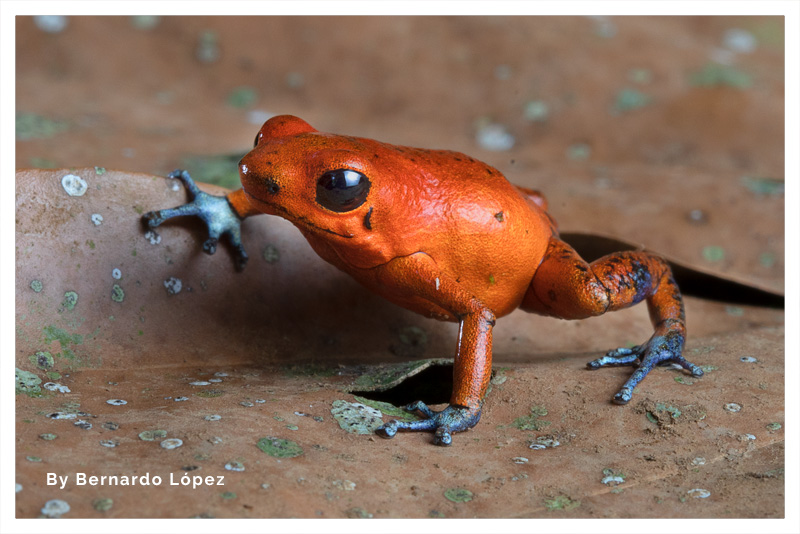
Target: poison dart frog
[(444, 235)]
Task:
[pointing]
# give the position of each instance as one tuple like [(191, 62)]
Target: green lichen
[(145, 22), (32, 126), (767, 259), (27, 383), (271, 254), (228, 495), (713, 253), (48, 436), (499, 377), (672, 410), (242, 97), (387, 409), (117, 294), (773, 473), (458, 495), (579, 152), (357, 513), (714, 74), (641, 76), (629, 99), (562, 502), (53, 333), (207, 50), (537, 111), (36, 285), (279, 448), (355, 418), (70, 300), (764, 186), (532, 421), (660, 409), (68, 341), (42, 359), (103, 505)]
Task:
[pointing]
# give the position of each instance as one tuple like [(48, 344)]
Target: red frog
[(444, 235)]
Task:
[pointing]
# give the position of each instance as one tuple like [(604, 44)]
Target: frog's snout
[(253, 181)]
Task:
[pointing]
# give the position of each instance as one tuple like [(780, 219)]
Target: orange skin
[(447, 236)]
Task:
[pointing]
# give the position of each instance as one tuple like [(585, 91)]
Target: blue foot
[(659, 350), (216, 212), (450, 420)]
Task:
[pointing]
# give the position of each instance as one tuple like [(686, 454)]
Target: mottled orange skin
[(471, 223), (446, 236)]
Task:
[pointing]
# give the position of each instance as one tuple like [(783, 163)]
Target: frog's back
[(484, 232)]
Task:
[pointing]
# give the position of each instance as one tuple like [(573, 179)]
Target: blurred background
[(663, 130)]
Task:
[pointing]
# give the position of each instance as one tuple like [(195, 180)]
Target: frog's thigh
[(568, 287)]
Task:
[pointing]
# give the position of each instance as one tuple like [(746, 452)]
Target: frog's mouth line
[(280, 211)]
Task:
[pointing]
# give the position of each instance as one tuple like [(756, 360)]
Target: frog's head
[(320, 182)]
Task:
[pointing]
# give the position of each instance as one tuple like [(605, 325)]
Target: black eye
[(255, 143), (342, 190)]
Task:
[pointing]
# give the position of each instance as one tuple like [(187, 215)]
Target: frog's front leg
[(222, 215), (417, 274)]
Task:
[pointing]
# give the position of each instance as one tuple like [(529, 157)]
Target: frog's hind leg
[(568, 287)]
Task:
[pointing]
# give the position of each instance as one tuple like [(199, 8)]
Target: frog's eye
[(342, 190), (255, 143)]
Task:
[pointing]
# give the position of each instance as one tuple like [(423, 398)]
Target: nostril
[(272, 186)]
